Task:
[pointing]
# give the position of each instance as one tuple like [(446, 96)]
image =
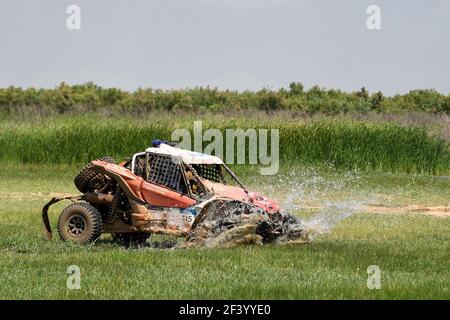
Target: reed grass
[(348, 144)]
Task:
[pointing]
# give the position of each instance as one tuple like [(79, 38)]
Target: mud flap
[(46, 221)]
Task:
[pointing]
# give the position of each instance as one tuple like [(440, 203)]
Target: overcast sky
[(231, 44)]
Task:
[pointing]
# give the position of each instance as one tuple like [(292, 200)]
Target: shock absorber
[(111, 213)]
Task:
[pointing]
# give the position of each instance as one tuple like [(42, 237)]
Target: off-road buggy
[(167, 190)]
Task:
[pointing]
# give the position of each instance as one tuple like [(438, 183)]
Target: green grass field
[(412, 250)]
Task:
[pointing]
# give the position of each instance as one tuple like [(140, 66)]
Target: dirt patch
[(435, 211), (438, 211)]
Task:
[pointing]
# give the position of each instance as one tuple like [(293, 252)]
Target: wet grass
[(411, 250)]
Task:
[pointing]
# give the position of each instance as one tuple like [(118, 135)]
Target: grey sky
[(231, 44)]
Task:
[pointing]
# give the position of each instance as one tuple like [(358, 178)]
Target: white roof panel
[(187, 156)]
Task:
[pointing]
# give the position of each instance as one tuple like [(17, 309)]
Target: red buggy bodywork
[(143, 190)]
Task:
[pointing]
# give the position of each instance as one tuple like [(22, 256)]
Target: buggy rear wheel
[(80, 222), (90, 180)]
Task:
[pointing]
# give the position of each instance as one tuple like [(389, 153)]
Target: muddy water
[(308, 186), (299, 189)]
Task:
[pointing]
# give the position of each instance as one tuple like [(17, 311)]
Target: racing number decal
[(188, 218)]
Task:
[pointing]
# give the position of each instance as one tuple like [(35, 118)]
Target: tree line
[(90, 97)]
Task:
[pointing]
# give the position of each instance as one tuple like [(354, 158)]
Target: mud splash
[(234, 229), (308, 186), (327, 218)]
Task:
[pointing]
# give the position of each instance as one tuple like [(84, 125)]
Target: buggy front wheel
[(80, 222)]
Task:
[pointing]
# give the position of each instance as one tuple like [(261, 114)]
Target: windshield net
[(210, 172), (164, 171)]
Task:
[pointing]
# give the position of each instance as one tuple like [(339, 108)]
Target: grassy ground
[(412, 251)]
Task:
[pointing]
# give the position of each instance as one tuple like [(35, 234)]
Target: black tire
[(89, 180), (131, 239), (80, 222)]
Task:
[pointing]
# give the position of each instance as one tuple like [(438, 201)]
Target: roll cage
[(172, 172)]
